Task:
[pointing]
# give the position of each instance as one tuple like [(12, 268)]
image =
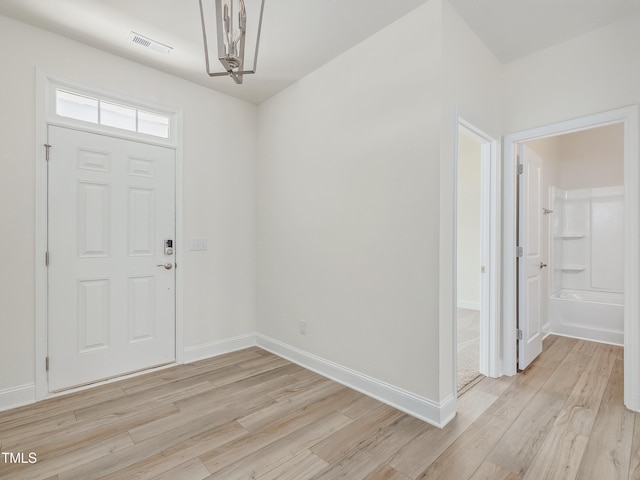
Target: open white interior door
[(530, 262)]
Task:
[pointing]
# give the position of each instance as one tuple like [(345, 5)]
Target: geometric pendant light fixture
[(232, 29)]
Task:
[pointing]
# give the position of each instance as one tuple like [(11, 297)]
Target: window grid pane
[(118, 116), (75, 106), (152, 124), (93, 110)]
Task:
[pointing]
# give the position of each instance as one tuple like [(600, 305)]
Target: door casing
[(45, 116), (490, 297), (629, 117)]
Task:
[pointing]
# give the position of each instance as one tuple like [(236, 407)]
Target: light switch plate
[(197, 244)]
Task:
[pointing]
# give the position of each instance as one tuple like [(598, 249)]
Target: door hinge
[(519, 252), (519, 334), (46, 363), (483, 269), (46, 258), (520, 169), (47, 148)]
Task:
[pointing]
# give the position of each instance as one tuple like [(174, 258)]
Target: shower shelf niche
[(570, 236), (571, 268)]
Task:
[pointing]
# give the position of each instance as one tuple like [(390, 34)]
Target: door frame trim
[(490, 255), (629, 117), (43, 117)]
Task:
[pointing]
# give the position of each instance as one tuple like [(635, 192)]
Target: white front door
[(530, 264), (111, 299)]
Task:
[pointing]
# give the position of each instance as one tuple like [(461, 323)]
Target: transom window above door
[(98, 111)]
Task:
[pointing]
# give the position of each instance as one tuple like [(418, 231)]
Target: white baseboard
[(437, 414), (17, 396), (423, 408), (213, 349), (469, 305), (611, 338)]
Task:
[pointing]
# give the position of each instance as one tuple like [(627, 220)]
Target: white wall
[(592, 158), (356, 200), (219, 189), (469, 221), (348, 208), (595, 72)]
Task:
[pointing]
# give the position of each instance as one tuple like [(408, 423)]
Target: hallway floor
[(250, 414)]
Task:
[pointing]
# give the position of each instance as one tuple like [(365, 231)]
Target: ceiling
[(515, 28), (299, 36)]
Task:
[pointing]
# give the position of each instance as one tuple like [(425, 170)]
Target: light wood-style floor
[(250, 414)]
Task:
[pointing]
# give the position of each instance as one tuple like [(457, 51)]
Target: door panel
[(111, 301), (530, 264)]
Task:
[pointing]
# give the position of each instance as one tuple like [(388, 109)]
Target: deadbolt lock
[(168, 247)]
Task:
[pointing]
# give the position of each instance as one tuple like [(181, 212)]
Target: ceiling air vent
[(148, 43)]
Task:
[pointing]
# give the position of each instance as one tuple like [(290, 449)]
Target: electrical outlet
[(302, 327)]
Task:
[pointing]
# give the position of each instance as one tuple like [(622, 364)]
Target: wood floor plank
[(604, 358), (349, 438), (279, 408), (84, 454), (191, 470), (555, 352), (360, 407), (302, 466), (57, 405), (220, 458), (296, 386), (559, 456), (608, 452), (570, 369), (244, 373), (415, 457), (23, 434), (281, 451), (463, 457), (493, 386), (161, 396), (515, 451), (386, 472), (85, 432), (208, 366), (148, 459), (242, 398), (376, 451), (510, 404), (245, 385), (581, 408), (184, 421), (491, 471), (634, 464)]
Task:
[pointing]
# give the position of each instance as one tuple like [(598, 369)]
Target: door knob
[(169, 266), (542, 265)]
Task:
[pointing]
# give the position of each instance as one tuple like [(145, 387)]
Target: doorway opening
[(570, 208), (570, 232), (476, 256), (103, 207)]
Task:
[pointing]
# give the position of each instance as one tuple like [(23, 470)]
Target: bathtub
[(597, 316)]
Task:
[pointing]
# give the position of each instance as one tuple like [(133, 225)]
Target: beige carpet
[(468, 346)]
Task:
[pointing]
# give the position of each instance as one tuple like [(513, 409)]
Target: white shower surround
[(587, 264)]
